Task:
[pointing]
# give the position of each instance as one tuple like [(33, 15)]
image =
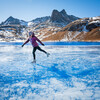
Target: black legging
[(34, 50)]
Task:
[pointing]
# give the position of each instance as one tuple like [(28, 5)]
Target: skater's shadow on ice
[(58, 73), (52, 71)]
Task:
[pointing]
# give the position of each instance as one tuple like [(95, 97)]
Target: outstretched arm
[(25, 42), (39, 41)]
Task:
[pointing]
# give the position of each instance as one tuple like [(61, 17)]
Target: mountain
[(58, 27), (58, 19), (41, 19), (62, 17), (12, 29), (38, 21), (13, 21), (85, 29)]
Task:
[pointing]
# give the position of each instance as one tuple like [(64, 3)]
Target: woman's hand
[(22, 45)]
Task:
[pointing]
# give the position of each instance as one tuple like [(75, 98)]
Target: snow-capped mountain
[(14, 21), (58, 27), (41, 19), (38, 21), (85, 29), (12, 29), (58, 19)]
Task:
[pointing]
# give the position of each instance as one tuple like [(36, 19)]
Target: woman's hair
[(31, 33)]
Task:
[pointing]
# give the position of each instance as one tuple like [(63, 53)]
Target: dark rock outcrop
[(77, 26), (92, 26), (62, 17)]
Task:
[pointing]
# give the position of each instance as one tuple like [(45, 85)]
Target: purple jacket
[(33, 41)]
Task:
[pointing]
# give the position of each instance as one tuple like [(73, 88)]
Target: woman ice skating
[(33, 39)]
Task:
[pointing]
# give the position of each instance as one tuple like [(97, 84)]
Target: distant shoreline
[(48, 41), (68, 43)]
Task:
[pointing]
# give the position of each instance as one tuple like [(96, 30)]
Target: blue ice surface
[(71, 72)]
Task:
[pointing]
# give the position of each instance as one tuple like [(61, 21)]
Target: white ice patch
[(52, 89), (84, 29)]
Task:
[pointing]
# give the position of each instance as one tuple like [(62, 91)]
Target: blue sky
[(30, 9)]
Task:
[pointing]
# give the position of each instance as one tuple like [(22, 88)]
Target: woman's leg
[(41, 49), (34, 50)]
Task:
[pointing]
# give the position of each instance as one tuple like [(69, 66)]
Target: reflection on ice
[(71, 72)]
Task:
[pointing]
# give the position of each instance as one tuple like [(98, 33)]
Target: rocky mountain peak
[(62, 17), (55, 11), (63, 12), (56, 16), (11, 21), (11, 17)]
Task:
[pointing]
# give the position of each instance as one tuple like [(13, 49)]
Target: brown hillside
[(86, 29), (93, 35)]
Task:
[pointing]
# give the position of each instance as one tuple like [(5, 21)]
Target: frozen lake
[(71, 72)]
